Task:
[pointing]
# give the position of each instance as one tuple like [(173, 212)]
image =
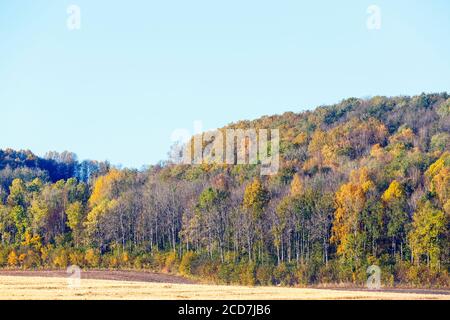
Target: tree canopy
[(361, 182)]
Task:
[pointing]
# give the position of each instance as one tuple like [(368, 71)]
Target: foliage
[(361, 182)]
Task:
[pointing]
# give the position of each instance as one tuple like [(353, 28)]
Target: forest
[(362, 182)]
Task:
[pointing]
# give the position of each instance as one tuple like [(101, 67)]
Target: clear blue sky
[(137, 70)]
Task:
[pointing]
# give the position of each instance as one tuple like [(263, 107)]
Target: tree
[(74, 214), (17, 193), (362, 181), (39, 213), (256, 197), (297, 187), (212, 207), (95, 228), (426, 236), (351, 200), (13, 259), (284, 213), (7, 226), (321, 220), (21, 221), (106, 187), (394, 201), (439, 176)]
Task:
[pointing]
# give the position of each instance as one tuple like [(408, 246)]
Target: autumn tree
[(256, 197), (323, 204), (426, 237), (75, 217), (281, 227), (213, 211), (439, 175), (396, 215), (351, 200)]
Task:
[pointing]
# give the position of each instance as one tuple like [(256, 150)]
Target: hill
[(360, 183)]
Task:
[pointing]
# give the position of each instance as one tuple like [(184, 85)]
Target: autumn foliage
[(361, 182)]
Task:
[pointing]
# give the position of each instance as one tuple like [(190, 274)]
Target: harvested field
[(145, 285)]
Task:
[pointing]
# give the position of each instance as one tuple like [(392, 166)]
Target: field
[(141, 285)]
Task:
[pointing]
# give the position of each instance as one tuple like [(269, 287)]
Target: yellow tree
[(256, 198), (105, 187), (318, 141), (95, 216), (426, 235), (102, 203), (32, 241), (39, 212), (74, 214), (394, 203), (17, 193), (350, 201), (297, 187), (439, 176), (13, 259), (441, 186)]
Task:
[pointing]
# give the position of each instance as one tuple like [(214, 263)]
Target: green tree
[(17, 193), (74, 214), (427, 235), (256, 197), (395, 205), (21, 221)]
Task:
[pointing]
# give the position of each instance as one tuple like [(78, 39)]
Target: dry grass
[(20, 287)]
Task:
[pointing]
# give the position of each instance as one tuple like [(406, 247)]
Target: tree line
[(362, 182)]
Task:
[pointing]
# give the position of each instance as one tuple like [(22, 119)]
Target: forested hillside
[(361, 182)]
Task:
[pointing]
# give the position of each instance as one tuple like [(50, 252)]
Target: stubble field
[(137, 285)]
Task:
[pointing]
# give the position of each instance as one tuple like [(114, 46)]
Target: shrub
[(159, 260), (32, 260), (45, 254), (76, 258), (187, 262), (111, 261), (284, 274), (61, 259), (13, 259), (443, 279), (248, 271), (328, 273), (22, 258), (264, 275), (360, 276), (401, 271), (205, 268), (413, 275), (138, 263), (226, 272), (143, 261), (302, 274), (171, 262), (3, 257), (92, 258), (126, 261), (429, 277)]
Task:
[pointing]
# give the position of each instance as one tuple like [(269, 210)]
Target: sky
[(136, 71)]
